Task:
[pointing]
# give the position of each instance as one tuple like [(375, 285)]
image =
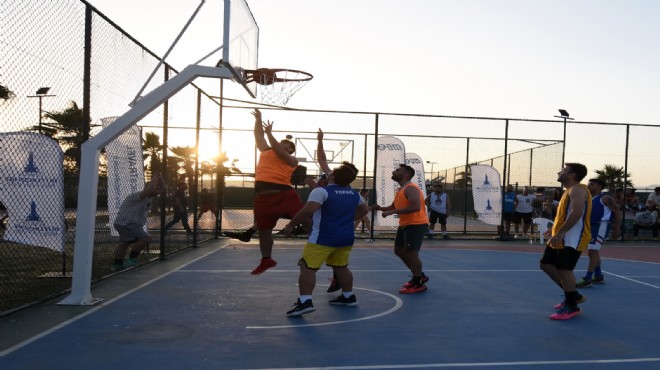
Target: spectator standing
[(440, 205), (524, 212)]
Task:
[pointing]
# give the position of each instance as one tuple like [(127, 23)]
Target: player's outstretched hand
[(319, 135), (257, 114), (268, 127)]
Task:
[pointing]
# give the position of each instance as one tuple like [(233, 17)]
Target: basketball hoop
[(277, 85)]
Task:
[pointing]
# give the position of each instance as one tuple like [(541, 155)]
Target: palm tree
[(151, 147), (463, 180), (613, 177), (67, 128), (185, 159), (5, 93)]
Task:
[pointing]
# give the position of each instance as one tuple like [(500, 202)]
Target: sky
[(487, 58), (506, 58)]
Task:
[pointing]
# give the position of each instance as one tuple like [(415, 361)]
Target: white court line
[(473, 364), (398, 304), (102, 305), (633, 280)]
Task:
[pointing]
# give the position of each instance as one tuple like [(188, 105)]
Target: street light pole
[(41, 93), (431, 163), (565, 116)]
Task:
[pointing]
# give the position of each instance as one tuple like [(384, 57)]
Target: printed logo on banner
[(31, 188), (391, 153), (415, 161), (125, 170), (487, 193), (30, 166)]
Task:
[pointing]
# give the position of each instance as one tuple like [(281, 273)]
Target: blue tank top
[(601, 215), (509, 202), (332, 224)]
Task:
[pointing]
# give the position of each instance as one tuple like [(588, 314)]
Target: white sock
[(305, 298), (347, 294)]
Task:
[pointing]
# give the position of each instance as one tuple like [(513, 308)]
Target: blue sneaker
[(131, 262)]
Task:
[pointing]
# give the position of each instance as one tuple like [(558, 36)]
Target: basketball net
[(278, 86)]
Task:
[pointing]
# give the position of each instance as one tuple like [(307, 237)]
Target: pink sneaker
[(566, 313), (413, 289), (409, 283), (264, 265), (560, 305)]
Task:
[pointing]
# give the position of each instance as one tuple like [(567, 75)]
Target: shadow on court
[(483, 309)]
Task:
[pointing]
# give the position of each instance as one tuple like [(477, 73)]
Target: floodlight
[(564, 113), (43, 91)]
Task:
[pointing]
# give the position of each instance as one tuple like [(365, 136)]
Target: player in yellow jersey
[(568, 238)]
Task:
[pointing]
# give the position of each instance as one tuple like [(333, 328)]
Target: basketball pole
[(89, 176), (162, 60)]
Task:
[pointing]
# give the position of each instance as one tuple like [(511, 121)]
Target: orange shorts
[(271, 207)]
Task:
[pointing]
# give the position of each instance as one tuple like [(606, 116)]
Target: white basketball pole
[(162, 60), (89, 176)]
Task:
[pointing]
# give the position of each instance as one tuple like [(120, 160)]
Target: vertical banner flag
[(391, 153), (487, 193), (32, 189), (415, 161), (125, 168)]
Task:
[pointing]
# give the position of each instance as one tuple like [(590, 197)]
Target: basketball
[(264, 76)]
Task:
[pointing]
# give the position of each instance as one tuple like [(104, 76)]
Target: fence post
[(625, 181), (465, 186), (220, 176), (195, 179), (164, 167), (374, 195)]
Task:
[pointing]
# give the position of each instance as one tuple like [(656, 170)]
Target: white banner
[(125, 168), (487, 193), (32, 189), (391, 153), (415, 161)]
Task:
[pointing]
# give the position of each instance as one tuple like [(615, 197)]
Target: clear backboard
[(241, 42)]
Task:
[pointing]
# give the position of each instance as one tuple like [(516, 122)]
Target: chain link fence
[(94, 70)]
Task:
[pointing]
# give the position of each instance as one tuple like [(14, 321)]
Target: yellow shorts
[(314, 255)]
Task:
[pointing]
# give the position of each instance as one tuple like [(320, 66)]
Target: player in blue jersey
[(604, 212), (333, 209)]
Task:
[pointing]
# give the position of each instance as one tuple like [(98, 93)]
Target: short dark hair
[(409, 170), (283, 142), (350, 165), (599, 182), (657, 189), (344, 174), (578, 169)]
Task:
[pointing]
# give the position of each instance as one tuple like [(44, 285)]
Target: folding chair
[(543, 225)]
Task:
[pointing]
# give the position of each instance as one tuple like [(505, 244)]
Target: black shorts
[(507, 216), (563, 259), (438, 217), (525, 217), (410, 237)]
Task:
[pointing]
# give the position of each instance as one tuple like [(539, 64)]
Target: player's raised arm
[(320, 154), (282, 152), (259, 138)]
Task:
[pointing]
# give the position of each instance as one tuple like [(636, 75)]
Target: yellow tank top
[(273, 169), (400, 201), (579, 235)]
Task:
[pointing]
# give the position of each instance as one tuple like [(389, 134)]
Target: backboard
[(241, 42)]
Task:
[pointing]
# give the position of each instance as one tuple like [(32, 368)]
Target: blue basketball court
[(483, 309)]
